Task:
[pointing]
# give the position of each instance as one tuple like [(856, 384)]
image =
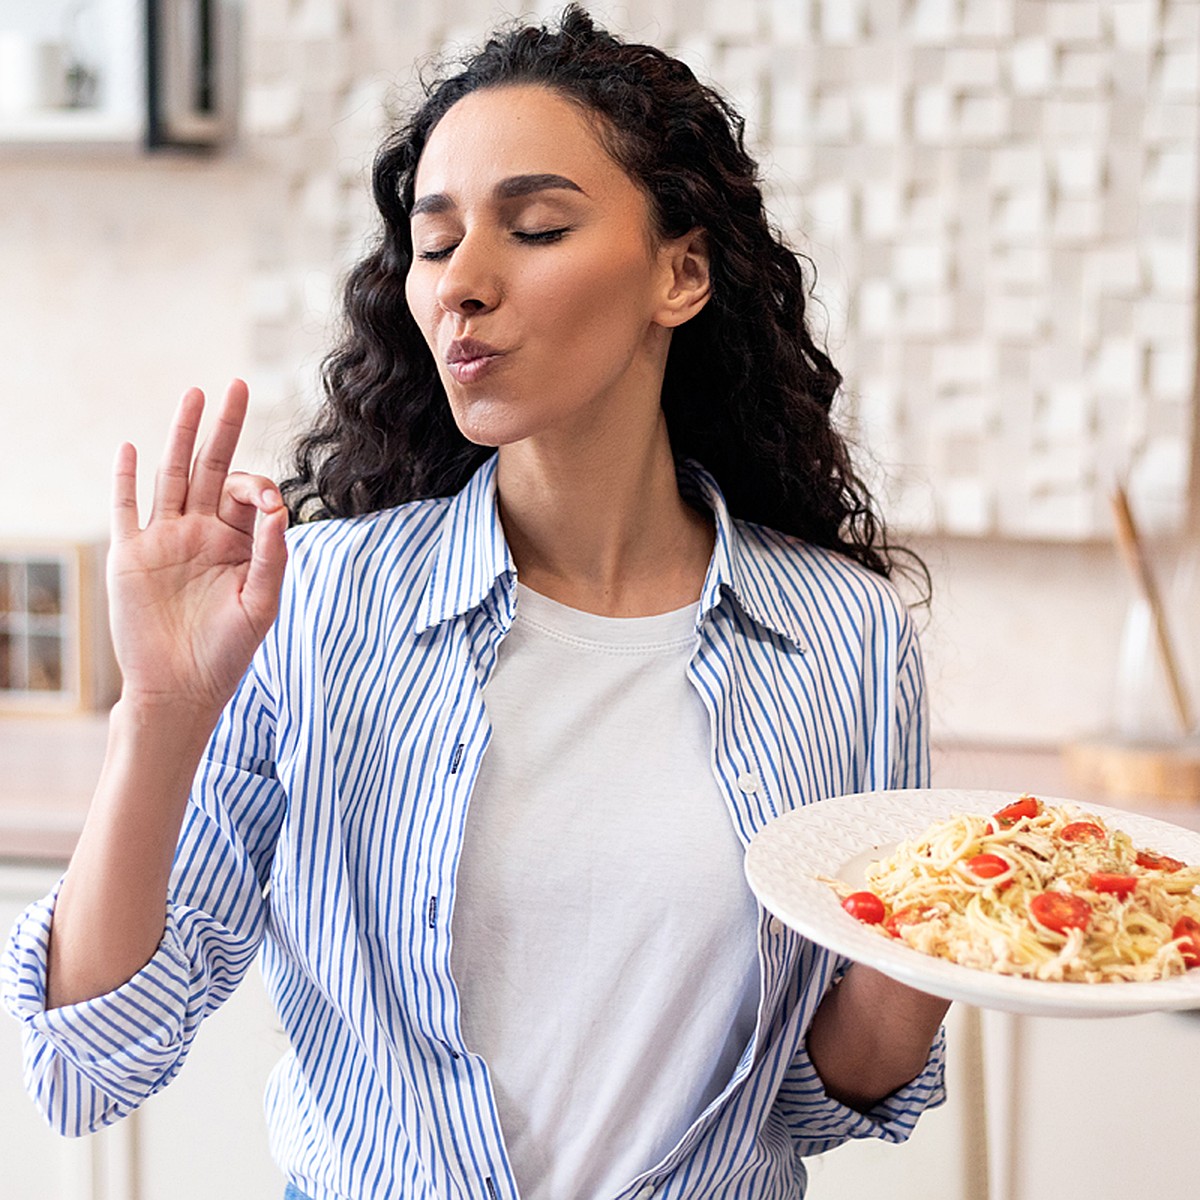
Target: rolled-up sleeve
[(88, 1064), (819, 1123)]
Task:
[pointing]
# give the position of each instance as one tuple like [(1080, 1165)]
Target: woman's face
[(536, 279)]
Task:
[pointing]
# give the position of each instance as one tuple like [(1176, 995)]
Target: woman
[(539, 967)]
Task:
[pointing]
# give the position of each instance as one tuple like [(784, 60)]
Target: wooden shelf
[(68, 127)]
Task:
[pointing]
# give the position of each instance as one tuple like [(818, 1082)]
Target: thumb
[(264, 579)]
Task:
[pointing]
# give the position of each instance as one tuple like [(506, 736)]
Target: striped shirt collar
[(473, 556)]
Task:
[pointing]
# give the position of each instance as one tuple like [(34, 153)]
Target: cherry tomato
[(1060, 911), (1153, 861), (1027, 806), (1082, 831), (1187, 933), (988, 866), (865, 906), (1115, 885), (914, 914)]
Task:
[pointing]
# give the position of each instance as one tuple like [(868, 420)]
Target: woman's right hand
[(193, 593)]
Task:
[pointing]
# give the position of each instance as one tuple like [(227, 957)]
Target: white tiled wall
[(1002, 198)]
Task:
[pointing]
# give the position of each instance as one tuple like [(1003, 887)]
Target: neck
[(605, 530)]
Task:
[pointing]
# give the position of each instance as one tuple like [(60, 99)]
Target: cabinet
[(55, 652), (1041, 1107), (117, 74)]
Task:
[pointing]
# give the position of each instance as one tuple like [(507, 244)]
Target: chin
[(488, 422)]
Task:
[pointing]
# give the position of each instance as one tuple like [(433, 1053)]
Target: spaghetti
[(1039, 892)]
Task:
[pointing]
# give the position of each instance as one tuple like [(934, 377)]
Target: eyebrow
[(506, 189)]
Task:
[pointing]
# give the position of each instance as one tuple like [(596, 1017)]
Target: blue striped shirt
[(325, 826)]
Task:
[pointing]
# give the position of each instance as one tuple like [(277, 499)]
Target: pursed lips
[(465, 349), (470, 359)]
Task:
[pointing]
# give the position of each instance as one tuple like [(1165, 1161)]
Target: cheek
[(584, 296), (417, 298)]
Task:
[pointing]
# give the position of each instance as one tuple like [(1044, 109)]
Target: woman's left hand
[(872, 1035)]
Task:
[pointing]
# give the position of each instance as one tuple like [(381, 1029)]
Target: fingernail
[(270, 499)]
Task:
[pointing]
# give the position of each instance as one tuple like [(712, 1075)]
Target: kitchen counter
[(49, 766), (1043, 771), (48, 771)]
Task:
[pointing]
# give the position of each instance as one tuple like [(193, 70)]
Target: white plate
[(838, 837)]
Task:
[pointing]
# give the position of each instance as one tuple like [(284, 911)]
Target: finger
[(124, 493), (244, 496), (260, 592), (171, 481), (212, 463)]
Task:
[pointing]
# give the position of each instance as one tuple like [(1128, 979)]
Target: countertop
[(49, 766), (48, 771)]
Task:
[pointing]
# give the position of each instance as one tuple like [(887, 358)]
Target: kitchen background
[(1002, 200), (1000, 196)]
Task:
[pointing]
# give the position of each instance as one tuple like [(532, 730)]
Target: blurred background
[(1001, 199)]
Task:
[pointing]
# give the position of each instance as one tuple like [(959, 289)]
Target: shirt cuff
[(126, 1042), (828, 1123)]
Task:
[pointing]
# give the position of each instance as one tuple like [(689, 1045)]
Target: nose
[(469, 283)]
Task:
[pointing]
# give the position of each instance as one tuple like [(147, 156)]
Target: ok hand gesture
[(193, 593)]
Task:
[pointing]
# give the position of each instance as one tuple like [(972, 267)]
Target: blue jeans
[(294, 1193)]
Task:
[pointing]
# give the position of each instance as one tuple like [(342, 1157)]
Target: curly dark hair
[(747, 392)]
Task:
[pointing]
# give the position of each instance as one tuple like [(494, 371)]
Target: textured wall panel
[(1001, 198)]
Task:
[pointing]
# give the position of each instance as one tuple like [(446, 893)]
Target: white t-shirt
[(604, 937)]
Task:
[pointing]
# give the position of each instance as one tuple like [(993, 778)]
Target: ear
[(687, 284)]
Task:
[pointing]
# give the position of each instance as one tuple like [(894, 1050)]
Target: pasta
[(1036, 891)]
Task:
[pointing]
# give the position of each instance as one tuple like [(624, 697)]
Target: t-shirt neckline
[(659, 630)]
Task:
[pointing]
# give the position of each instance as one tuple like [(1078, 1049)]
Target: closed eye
[(545, 235), (539, 237)]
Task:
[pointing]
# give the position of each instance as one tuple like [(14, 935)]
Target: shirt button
[(775, 925), (645, 1193), (747, 782)]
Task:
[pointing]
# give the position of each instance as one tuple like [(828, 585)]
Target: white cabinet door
[(1078, 1110), (1106, 1109)]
